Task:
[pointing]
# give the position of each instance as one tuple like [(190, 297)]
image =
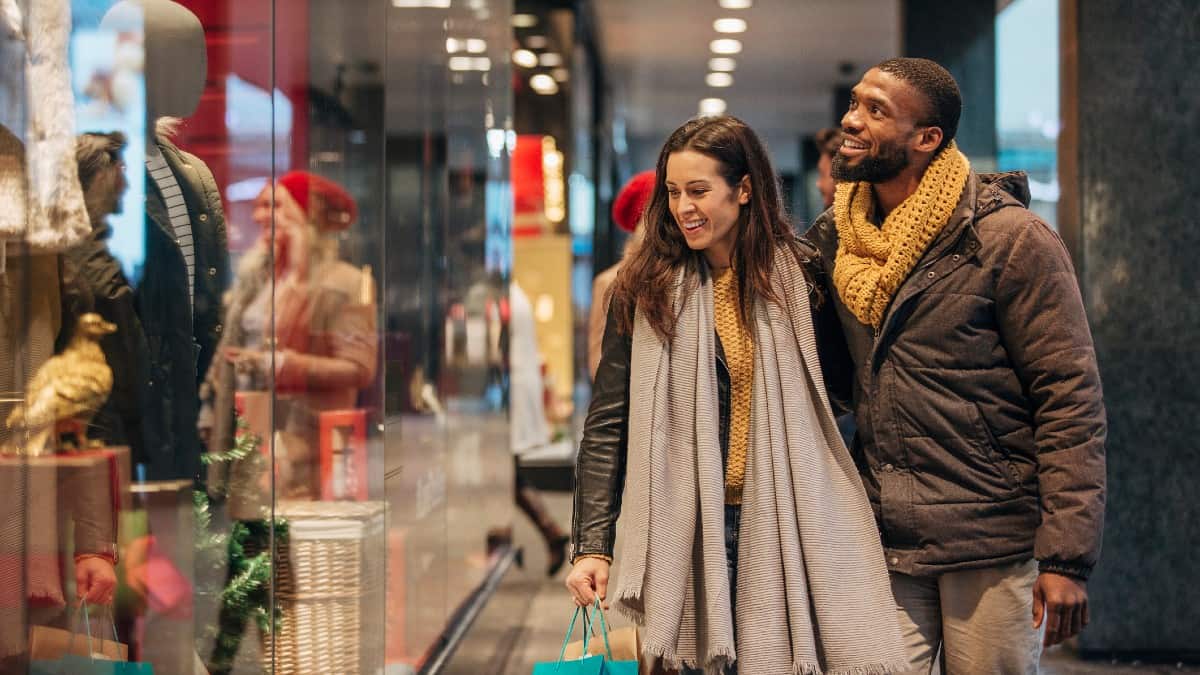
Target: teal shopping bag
[(98, 657), (82, 665), (587, 665)]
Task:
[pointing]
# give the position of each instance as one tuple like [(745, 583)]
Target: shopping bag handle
[(599, 610), (562, 654), (87, 623)]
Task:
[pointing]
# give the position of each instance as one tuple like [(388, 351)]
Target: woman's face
[(705, 207)]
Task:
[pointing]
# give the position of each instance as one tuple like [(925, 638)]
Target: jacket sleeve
[(1045, 330), (837, 367), (600, 465)]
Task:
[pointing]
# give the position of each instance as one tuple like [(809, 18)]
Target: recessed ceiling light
[(718, 79), (560, 74), (537, 42), (524, 20), (476, 46), (729, 26), (712, 106), (722, 64), (525, 58), (543, 84), (725, 46), (461, 63), (454, 45), (550, 59), (736, 4)]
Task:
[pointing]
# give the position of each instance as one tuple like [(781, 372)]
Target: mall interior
[(345, 307)]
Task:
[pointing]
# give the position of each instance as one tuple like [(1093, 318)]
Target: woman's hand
[(95, 580), (588, 580)]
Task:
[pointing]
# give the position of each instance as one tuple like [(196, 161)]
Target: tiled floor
[(538, 634)]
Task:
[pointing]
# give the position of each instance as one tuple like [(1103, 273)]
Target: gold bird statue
[(65, 392)]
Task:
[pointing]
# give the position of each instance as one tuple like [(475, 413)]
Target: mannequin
[(187, 260)]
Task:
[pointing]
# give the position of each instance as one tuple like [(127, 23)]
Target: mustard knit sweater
[(739, 357)]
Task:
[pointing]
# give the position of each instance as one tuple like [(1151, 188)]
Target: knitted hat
[(337, 210), (631, 201)]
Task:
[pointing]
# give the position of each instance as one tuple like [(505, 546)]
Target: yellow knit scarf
[(873, 261)]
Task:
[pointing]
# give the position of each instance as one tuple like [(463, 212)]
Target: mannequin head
[(176, 62)]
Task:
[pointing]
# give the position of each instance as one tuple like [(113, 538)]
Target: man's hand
[(588, 580), (95, 580), (1062, 603)]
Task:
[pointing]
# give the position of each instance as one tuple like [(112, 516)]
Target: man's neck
[(892, 193)]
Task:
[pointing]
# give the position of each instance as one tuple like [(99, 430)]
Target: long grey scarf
[(812, 590)]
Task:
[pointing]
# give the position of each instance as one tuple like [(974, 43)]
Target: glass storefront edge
[(254, 383)]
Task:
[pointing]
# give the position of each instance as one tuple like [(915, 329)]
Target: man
[(828, 142), (980, 420)]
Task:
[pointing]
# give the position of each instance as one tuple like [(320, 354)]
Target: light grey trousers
[(982, 620)]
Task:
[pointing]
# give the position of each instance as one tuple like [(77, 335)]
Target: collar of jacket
[(156, 207)]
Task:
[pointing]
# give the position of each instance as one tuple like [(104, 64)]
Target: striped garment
[(177, 210), (813, 594)]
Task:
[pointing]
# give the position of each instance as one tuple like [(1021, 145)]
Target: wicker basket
[(330, 587)]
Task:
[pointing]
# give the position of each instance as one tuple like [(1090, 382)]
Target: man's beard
[(891, 160)]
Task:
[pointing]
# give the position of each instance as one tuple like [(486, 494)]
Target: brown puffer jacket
[(981, 423)]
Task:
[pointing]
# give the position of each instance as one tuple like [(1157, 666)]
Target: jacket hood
[(997, 188)]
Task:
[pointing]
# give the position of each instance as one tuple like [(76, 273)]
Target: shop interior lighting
[(726, 46), (524, 20), (722, 64), (525, 58), (467, 63), (550, 59), (736, 4), (543, 84), (476, 46), (560, 74), (712, 106), (415, 4), (718, 79), (729, 26), (537, 42)]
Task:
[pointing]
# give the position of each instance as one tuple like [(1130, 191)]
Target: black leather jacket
[(600, 465)]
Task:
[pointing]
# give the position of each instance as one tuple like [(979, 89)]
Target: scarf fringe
[(715, 662), (868, 669)]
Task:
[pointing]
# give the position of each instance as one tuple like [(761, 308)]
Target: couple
[(966, 517)]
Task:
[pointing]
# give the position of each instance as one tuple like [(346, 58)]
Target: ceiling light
[(550, 60), (476, 46), (712, 106), (543, 84), (725, 46), (718, 79), (729, 26), (722, 64), (412, 4), (454, 45), (524, 20), (560, 74), (537, 42), (736, 4), (461, 63), (525, 58)]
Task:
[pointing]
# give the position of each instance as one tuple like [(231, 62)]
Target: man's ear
[(929, 139), (743, 196)]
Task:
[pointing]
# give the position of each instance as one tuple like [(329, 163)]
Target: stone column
[(1131, 104)]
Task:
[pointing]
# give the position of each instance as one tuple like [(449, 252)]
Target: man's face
[(878, 129), (826, 185)]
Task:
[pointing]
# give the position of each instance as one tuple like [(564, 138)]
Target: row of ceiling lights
[(722, 64), (542, 83)]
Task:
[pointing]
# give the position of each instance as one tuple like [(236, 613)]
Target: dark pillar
[(1133, 200), (961, 35)]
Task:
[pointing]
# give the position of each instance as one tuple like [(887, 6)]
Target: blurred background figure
[(627, 211), (321, 349), (828, 140)]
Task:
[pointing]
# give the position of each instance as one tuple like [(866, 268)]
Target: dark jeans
[(733, 524)]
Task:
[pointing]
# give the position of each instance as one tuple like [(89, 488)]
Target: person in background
[(320, 350), (627, 210), (828, 141), (981, 421), (750, 543)]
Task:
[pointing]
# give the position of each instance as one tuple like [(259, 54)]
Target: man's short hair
[(828, 141), (96, 152), (938, 87)]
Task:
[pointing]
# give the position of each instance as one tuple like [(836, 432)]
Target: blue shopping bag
[(587, 665)]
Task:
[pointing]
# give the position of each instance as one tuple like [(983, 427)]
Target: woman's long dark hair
[(647, 278)]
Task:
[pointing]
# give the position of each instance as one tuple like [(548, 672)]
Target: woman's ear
[(743, 196)]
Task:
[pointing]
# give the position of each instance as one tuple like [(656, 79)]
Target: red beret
[(339, 208), (632, 199)]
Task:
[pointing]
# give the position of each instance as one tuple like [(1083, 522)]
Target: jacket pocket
[(986, 441)]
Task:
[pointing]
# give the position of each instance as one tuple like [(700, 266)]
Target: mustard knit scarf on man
[(873, 261)]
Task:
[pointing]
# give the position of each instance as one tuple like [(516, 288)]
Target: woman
[(299, 320), (710, 423)]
